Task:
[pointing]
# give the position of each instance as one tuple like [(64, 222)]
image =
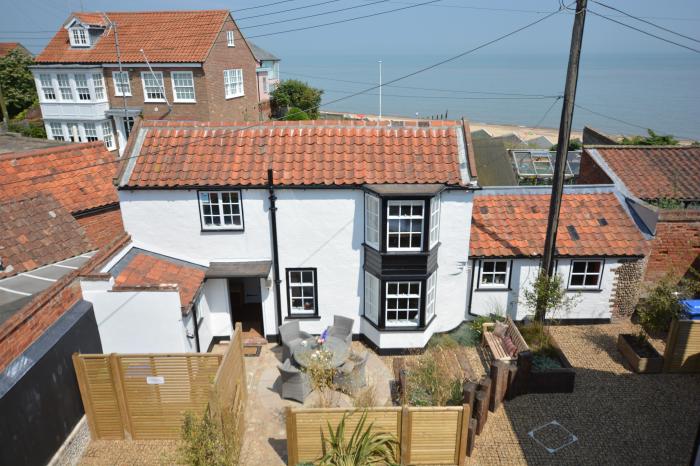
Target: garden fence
[(683, 347)]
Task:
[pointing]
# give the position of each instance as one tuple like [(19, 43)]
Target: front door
[(246, 304)]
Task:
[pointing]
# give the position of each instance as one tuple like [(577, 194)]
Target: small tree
[(296, 114), (548, 296), (652, 139), (295, 93), (662, 303), (17, 81)]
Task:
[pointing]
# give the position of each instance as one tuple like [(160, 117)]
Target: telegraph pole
[(567, 113)]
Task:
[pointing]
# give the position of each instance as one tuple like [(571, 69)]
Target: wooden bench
[(494, 344)]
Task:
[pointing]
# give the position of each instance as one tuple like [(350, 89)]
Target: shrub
[(477, 325), (295, 93), (29, 129), (547, 296), (432, 382), (364, 447), (204, 443), (662, 303), (296, 114)]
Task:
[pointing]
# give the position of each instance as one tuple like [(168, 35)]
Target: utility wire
[(287, 10), (263, 6), (549, 109), (643, 31), (446, 97), (645, 21), (314, 15), (485, 44)]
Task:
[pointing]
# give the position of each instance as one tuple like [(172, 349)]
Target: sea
[(619, 94)]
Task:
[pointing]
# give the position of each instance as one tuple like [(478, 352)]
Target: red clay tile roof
[(147, 271), (656, 172), (79, 176), (7, 47), (165, 37), (180, 154), (37, 231), (515, 225)]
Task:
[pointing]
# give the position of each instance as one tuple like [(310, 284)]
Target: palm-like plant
[(363, 448)]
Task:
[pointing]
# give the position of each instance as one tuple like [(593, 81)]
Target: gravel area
[(130, 452), (74, 447)]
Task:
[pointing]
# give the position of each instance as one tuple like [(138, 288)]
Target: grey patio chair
[(291, 337), (295, 383), (343, 377), (341, 328), (358, 372)]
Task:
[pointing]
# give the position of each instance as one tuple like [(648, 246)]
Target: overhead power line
[(449, 97), (315, 14), (263, 6), (287, 10)]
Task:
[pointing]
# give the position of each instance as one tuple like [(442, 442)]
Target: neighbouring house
[(268, 71), (599, 251), (7, 47), (661, 185), (289, 221), (102, 71)]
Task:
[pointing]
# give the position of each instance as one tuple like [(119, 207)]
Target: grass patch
[(431, 381)]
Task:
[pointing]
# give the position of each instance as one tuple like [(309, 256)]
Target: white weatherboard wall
[(590, 304), (137, 321)]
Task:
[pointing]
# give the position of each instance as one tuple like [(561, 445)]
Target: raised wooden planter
[(559, 380), (641, 365)]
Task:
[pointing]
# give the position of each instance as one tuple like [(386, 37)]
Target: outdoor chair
[(295, 383), (342, 328), (343, 376), (358, 372), (292, 336)]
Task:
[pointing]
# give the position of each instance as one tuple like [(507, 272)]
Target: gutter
[(275, 250)]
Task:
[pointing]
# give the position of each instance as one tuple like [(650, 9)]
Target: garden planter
[(644, 359), (553, 380)]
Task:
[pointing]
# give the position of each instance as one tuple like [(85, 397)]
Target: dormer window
[(79, 37)]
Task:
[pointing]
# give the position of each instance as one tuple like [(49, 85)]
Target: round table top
[(302, 352)]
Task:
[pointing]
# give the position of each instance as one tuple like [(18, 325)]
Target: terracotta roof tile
[(515, 225), (656, 172), (165, 36), (178, 154), (7, 47), (145, 271), (79, 176), (37, 231)]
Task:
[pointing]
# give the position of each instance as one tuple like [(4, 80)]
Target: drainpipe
[(275, 251)]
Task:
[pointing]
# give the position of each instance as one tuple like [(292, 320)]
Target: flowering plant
[(322, 337)]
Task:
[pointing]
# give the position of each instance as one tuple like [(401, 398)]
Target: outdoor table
[(337, 346)]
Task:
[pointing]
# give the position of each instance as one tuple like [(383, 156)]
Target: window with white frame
[(47, 88), (430, 290), (64, 86), (108, 135), (183, 86), (434, 220), (57, 133), (585, 274), (122, 87), (494, 274), (372, 297), (221, 210), (402, 303), (81, 86), (230, 38), (79, 37), (90, 131), (404, 230), (301, 286), (74, 132), (233, 83), (372, 209), (99, 85), (153, 90)]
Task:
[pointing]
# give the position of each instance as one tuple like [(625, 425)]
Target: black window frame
[(290, 314), (206, 229), (422, 323)]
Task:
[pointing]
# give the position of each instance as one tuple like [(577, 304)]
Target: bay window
[(430, 292), (81, 86), (99, 86), (434, 221), (372, 284), (64, 86), (404, 231), (402, 303), (56, 132), (372, 209), (47, 88)]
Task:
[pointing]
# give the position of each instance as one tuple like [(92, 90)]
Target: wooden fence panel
[(435, 435), (683, 348)]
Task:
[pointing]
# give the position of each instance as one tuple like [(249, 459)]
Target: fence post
[(671, 342), (511, 390), (115, 368), (292, 453), (482, 404), (84, 394), (405, 446), (463, 434), (499, 378), (469, 392)]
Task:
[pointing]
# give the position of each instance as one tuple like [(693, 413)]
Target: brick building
[(662, 187), (183, 65)]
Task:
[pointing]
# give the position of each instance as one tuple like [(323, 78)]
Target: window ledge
[(485, 288), (235, 96), (149, 101), (217, 230), (293, 317), (184, 101), (585, 290)]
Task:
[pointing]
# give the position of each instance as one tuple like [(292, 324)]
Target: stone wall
[(627, 286)]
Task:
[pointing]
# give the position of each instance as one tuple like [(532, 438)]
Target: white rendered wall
[(590, 304), (215, 303)]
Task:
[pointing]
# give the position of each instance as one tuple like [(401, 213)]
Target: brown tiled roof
[(179, 154), (79, 176), (656, 172), (515, 225), (7, 47), (146, 271), (165, 36), (37, 231)]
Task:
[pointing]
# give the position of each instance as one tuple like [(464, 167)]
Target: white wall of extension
[(213, 312), (138, 321), (590, 304)]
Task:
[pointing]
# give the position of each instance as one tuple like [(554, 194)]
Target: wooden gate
[(145, 396), (683, 347)]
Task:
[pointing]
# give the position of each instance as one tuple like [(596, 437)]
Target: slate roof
[(182, 154), (146, 271), (37, 231), (656, 172), (260, 53), (590, 225), (78, 176), (165, 37)]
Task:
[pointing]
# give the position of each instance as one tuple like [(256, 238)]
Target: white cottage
[(599, 251), (289, 221)]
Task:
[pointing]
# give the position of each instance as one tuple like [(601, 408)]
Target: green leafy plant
[(477, 325), (662, 303), (652, 139), (547, 297), (296, 114), (363, 448), (29, 129), (668, 203), (204, 443), (294, 94), (574, 144), (17, 81)]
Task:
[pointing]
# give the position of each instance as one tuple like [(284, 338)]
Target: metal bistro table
[(340, 350)]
